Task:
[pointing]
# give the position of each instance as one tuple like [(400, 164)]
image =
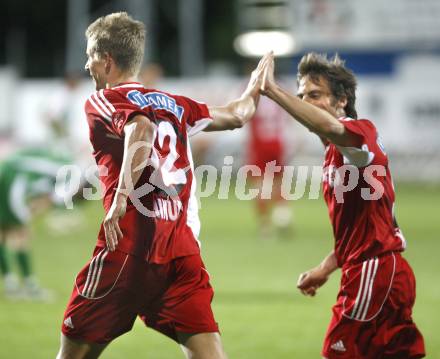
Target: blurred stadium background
[(392, 46)]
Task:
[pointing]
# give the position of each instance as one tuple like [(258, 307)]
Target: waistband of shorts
[(382, 255)]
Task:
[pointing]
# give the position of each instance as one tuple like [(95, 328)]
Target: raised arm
[(137, 147), (236, 113), (316, 119)]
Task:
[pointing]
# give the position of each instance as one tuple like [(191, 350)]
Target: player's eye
[(314, 95)]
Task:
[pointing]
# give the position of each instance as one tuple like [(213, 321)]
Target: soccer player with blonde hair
[(147, 260)]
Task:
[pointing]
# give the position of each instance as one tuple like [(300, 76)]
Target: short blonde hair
[(122, 37)]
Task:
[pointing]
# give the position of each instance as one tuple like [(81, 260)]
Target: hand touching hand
[(255, 82), (268, 81)]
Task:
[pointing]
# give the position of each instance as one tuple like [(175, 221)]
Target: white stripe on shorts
[(98, 277), (364, 289), (96, 273), (370, 288), (358, 296), (91, 275), (363, 297)]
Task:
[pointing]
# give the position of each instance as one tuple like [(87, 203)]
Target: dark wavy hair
[(341, 80)]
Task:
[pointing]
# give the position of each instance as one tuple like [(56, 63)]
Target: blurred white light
[(257, 43)]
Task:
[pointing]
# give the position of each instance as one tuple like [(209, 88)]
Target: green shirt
[(24, 175)]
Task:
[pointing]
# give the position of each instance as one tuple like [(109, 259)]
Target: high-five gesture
[(256, 80), (268, 80), (238, 112)]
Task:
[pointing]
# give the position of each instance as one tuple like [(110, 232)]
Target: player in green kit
[(27, 180)]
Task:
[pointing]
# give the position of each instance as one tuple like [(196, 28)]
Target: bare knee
[(202, 346), (75, 349)]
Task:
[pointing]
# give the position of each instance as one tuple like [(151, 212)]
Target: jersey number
[(165, 173)]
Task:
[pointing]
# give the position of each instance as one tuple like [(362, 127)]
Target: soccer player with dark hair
[(372, 315), (147, 260)]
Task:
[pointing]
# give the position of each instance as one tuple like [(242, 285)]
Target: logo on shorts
[(68, 323), (338, 346)]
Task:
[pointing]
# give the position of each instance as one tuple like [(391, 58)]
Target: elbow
[(238, 122), (331, 130), (326, 130)]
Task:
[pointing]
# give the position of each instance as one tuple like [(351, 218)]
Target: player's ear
[(342, 102), (108, 63)]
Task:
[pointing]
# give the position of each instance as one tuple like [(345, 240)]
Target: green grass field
[(261, 314)]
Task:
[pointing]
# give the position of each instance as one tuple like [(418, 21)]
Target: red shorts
[(114, 288), (372, 315)]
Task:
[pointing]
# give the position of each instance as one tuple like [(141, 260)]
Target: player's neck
[(119, 78)]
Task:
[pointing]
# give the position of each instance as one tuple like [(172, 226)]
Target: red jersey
[(362, 218), (161, 223)]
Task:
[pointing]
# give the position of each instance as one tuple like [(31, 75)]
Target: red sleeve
[(196, 115), (368, 135), (116, 109)]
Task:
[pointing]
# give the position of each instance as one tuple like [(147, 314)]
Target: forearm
[(315, 119), (234, 115), (244, 108), (137, 148), (329, 264)]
